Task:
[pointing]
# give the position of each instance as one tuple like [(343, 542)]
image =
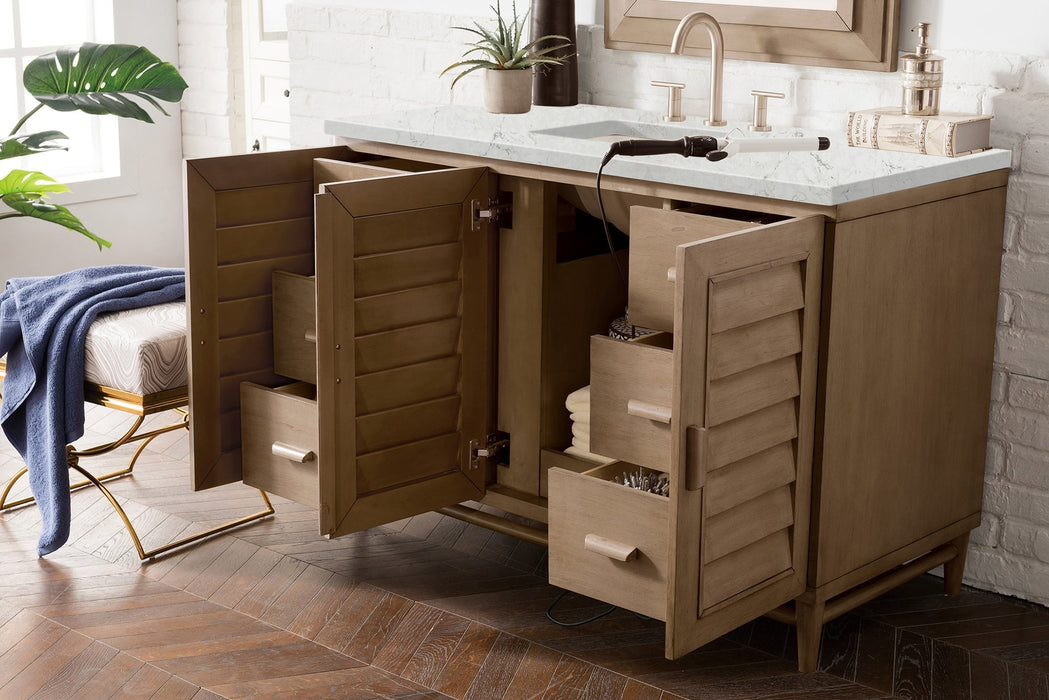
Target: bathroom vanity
[(391, 326)]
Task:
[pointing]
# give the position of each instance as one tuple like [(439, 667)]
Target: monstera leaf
[(26, 193), (102, 78), (28, 144)]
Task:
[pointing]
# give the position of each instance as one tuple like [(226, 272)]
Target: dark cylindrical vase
[(556, 86)]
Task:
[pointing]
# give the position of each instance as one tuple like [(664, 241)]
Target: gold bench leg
[(73, 456), (143, 554), (102, 449)]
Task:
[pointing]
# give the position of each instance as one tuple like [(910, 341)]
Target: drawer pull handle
[(295, 454), (310, 335), (672, 274), (651, 411), (609, 548)]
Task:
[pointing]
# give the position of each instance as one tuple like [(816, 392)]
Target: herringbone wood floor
[(426, 607)]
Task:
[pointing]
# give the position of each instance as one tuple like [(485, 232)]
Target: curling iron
[(713, 148)]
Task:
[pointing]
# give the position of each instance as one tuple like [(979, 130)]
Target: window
[(29, 28)]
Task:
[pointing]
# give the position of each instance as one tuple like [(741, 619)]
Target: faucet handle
[(761, 109), (673, 100)]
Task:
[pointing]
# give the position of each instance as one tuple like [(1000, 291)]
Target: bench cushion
[(140, 351)]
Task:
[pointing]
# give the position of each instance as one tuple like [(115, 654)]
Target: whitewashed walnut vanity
[(391, 326)]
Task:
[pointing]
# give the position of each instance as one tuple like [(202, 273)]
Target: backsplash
[(353, 61)]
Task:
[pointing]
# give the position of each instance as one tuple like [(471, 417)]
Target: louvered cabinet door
[(405, 338), (247, 216), (746, 322)]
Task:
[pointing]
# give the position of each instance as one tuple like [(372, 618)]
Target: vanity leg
[(810, 629), (955, 568)]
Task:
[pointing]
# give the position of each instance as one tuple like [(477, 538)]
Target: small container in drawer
[(656, 234), (630, 396), (279, 440), (295, 326), (609, 541)]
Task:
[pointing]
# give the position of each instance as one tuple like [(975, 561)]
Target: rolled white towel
[(578, 400), (581, 431), (587, 455), (582, 417)]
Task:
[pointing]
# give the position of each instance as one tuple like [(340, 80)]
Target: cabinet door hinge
[(493, 210), (495, 446)]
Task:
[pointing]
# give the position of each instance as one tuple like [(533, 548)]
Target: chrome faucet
[(717, 57)]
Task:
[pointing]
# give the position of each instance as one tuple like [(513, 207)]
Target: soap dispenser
[(922, 76)]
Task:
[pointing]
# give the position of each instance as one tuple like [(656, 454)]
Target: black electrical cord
[(562, 594), (604, 219), (562, 623)]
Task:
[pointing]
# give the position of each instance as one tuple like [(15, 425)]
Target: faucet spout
[(717, 57)]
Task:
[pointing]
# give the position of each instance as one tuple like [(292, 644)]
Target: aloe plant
[(502, 49), (92, 78)]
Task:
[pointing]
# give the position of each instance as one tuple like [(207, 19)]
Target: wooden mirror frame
[(861, 34)]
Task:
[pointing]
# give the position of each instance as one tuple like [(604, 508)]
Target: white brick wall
[(349, 60), (210, 59), (352, 61)]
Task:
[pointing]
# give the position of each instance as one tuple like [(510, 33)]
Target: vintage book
[(946, 134)]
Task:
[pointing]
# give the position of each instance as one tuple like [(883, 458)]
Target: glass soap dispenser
[(922, 76)]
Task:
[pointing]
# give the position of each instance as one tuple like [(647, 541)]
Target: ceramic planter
[(508, 91)]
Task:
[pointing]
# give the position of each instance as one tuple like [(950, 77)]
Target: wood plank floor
[(426, 607)]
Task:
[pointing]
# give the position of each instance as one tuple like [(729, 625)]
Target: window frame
[(105, 176)]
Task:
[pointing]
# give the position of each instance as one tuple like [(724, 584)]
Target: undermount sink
[(617, 130)]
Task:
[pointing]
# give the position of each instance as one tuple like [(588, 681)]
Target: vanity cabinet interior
[(378, 332)]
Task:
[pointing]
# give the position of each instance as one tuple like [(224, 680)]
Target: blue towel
[(43, 324)]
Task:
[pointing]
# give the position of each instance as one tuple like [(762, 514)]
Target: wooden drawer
[(653, 248), (609, 541), (295, 326), (630, 396), (279, 440)]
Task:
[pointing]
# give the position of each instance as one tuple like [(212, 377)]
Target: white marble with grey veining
[(835, 176)]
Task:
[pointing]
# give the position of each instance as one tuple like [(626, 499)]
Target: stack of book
[(945, 134)]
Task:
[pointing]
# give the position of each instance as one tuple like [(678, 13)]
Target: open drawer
[(279, 428), (630, 393), (608, 540), (653, 251)]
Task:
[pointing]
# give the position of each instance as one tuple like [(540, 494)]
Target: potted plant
[(92, 78), (507, 61)]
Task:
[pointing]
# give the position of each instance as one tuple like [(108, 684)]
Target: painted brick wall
[(210, 60), (352, 61)]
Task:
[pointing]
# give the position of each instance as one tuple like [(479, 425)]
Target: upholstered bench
[(134, 362)]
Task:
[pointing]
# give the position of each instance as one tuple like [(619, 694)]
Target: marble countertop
[(835, 176)]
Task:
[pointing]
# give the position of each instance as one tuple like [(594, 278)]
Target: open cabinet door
[(405, 333), (747, 323), (247, 216)]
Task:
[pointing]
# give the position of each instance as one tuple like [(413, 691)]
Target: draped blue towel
[(43, 324)]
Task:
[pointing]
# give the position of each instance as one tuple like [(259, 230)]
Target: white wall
[(145, 225), (211, 61), (587, 11), (1010, 26)]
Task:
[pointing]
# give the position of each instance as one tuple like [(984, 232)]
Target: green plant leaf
[(480, 65), (26, 192), (101, 78), (37, 208), (28, 144), (502, 47), (29, 183)]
